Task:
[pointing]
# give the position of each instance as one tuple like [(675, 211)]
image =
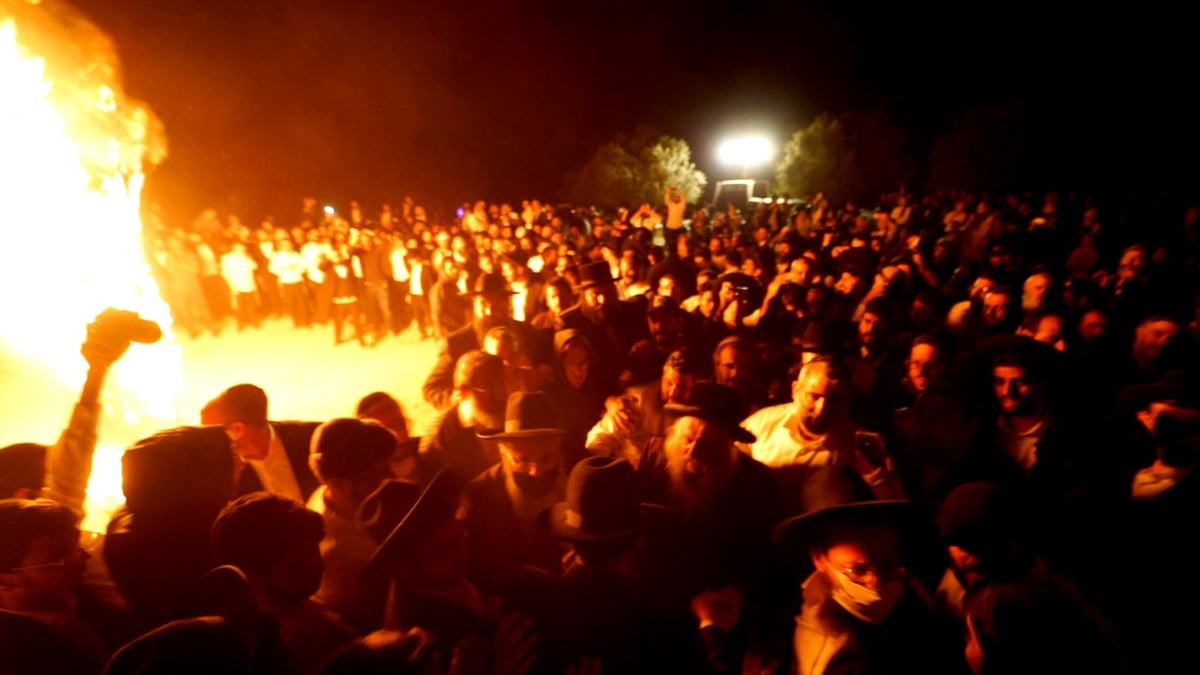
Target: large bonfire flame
[(72, 148)]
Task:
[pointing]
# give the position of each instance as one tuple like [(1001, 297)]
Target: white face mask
[(869, 605)]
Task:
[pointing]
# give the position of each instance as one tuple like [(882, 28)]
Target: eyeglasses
[(862, 573)]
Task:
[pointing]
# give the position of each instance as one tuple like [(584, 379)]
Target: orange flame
[(70, 189)]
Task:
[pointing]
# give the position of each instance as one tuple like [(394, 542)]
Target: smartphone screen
[(870, 444)]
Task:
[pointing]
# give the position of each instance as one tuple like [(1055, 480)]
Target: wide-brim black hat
[(715, 404), (602, 504), (1171, 387), (527, 415), (491, 284), (596, 273), (837, 494), (436, 503)]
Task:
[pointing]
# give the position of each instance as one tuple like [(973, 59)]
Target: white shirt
[(238, 270), (275, 471), (288, 266), (521, 291), (778, 446), (313, 254), (399, 264), (414, 285), (345, 551)]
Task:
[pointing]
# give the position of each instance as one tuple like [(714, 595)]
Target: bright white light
[(745, 151)]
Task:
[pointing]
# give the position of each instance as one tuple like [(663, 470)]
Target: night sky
[(266, 100)]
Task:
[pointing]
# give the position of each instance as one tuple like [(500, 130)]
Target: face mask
[(871, 606)]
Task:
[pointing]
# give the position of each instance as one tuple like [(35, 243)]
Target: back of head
[(374, 400), (22, 468), (256, 531), (344, 448), (471, 364), (24, 520), (240, 403), (181, 476)]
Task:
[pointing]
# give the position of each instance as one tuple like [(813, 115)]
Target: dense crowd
[(950, 434)]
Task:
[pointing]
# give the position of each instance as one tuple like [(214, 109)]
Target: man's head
[(275, 541), (679, 376), (531, 443), (925, 363), (1017, 384), (998, 307), (1034, 295), (242, 411), (1151, 340), (872, 327), (820, 396), (558, 295), (491, 302), (351, 457), (22, 470), (734, 363), (1045, 327), (381, 408), (1092, 326), (980, 524), (480, 388), (700, 444), (421, 538), (41, 562), (665, 321)]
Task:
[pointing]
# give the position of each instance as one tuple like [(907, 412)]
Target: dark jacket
[(450, 444), (438, 389), (296, 438)]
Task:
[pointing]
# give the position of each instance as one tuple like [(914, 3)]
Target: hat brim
[(798, 531), (736, 431), (593, 284), (400, 536), (554, 520), (523, 433)]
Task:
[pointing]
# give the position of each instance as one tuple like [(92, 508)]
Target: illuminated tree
[(637, 169), (857, 155)]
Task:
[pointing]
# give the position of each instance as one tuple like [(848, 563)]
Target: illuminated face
[(1034, 295), (921, 364), (847, 284), (46, 577), (1151, 339), (1013, 388), (668, 287), (699, 451), (575, 365), (491, 309), (814, 397), (733, 368), (676, 386), (593, 302), (1092, 326), (708, 303), (870, 330), (995, 309), (867, 556)]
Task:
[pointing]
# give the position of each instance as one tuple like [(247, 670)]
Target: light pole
[(745, 151)]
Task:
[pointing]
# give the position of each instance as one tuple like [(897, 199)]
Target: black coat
[(297, 439)]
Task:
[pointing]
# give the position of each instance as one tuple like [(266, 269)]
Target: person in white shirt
[(320, 291), (237, 267), (351, 458), (813, 431), (289, 267)]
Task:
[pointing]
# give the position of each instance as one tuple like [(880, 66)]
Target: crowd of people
[(951, 434)]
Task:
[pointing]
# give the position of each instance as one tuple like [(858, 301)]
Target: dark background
[(266, 100)]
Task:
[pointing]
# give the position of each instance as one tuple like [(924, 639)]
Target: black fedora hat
[(715, 404), (602, 503), (834, 494), (1171, 387), (435, 504), (529, 414), (491, 284), (596, 273)]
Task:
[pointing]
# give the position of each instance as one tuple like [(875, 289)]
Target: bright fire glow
[(70, 188)]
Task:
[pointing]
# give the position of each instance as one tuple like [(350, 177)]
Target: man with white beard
[(718, 558)]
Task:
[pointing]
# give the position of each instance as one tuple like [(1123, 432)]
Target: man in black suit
[(274, 454), (610, 325), (490, 304)]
